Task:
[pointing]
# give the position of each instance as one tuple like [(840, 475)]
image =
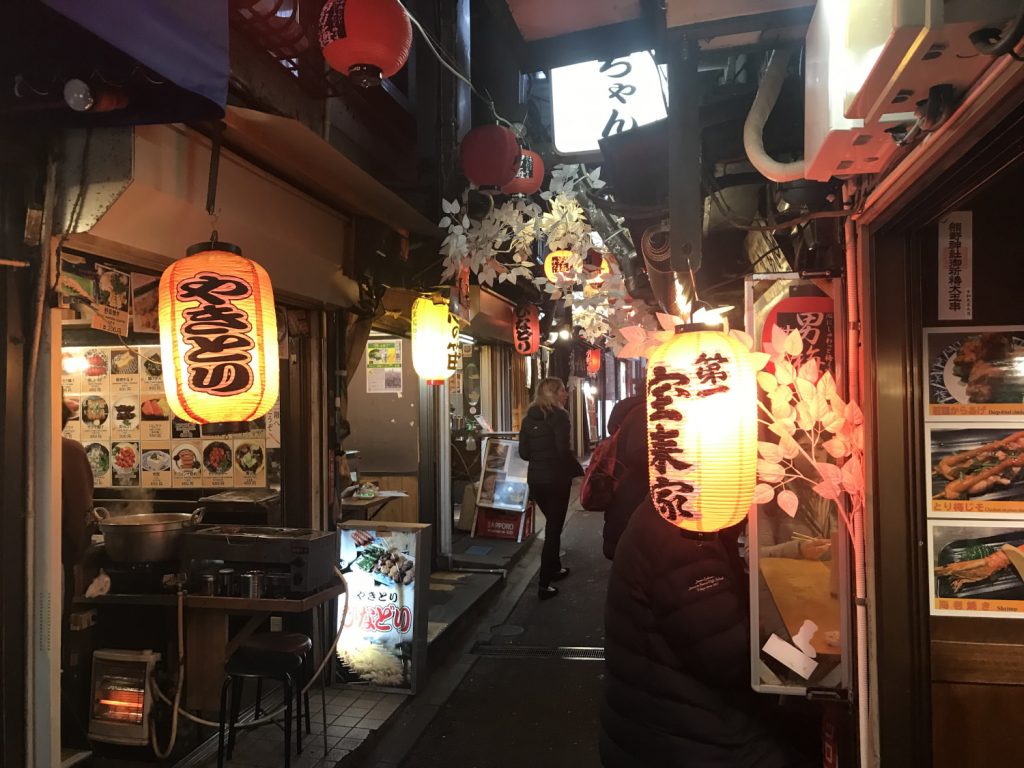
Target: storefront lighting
[(530, 176), (588, 390), (526, 329), (702, 430), (367, 40), (218, 336), (558, 264), (435, 340), (565, 334), (466, 339), (593, 361)]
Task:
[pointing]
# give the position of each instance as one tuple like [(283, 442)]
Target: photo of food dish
[(74, 406), (126, 458), (977, 463), (217, 458), (385, 563), (99, 458), (977, 366), (124, 361), (156, 461), (145, 303), (249, 457), (126, 413), (96, 362), (151, 364), (95, 411), (111, 288), (976, 562), (186, 458), (155, 409)]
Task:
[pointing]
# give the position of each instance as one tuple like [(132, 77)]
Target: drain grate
[(568, 653)]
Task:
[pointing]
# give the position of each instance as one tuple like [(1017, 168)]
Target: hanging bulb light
[(367, 40), (218, 336), (435, 340), (702, 430)]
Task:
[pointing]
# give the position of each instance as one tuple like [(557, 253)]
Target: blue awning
[(184, 41)]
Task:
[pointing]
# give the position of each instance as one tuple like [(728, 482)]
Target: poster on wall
[(145, 303), (977, 568), (503, 476), (956, 273), (112, 297), (384, 366), (976, 468), (813, 316), (387, 569), (974, 372)]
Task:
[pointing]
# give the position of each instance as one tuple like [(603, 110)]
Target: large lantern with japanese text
[(368, 40), (490, 156), (435, 340), (526, 329), (702, 430), (593, 362), (558, 264), (530, 176), (218, 336)]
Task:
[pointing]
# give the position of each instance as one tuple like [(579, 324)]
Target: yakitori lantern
[(435, 340), (593, 361), (702, 430), (490, 156), (530, 176), (558, 264), (526, 329), (365, 39), (218, 336)]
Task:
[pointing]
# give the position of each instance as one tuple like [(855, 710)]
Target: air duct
[(753, 128)]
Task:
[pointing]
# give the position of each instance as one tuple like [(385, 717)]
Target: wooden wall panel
[(973, 725), (405, 510)]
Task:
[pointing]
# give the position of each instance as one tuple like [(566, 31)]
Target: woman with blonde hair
[(544, 443)]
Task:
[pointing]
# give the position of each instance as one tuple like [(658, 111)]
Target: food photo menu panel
[(132, 439)]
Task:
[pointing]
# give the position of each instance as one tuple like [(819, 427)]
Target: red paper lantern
[(593, 361), (530, 176), (490, 156), (526, 329), (367, 40)]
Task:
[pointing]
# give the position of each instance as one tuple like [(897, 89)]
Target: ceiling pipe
[(753, 128)]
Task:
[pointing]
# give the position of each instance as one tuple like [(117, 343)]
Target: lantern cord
[(445, 63), (211, 184)]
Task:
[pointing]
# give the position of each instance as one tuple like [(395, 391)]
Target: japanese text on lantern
[(560, 264), (526, 329), (453, 348), (218, 333)]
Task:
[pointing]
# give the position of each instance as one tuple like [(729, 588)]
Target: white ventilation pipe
[(753, 128)]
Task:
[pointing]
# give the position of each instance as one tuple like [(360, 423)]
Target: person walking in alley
[(544, 443), (628, 423), (677, 651)]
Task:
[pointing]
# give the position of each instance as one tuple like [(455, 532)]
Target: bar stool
[(287, 642)]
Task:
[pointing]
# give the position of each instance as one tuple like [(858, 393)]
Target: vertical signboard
[(387, 572), (956, 257)]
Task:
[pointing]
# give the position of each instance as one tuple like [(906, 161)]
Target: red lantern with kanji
[(368, 40), (526, 329), (530, 176), (490, 156), (593, 361), (702, 430)]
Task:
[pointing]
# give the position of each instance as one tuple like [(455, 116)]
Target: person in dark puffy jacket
[(544, 443), (677, 650), (628, 420)]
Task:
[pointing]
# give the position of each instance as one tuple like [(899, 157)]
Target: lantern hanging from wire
[(526, 329), (367, 40), (593, 361), (702, 430), (558, 264), (218, 336), (435, 340), (530, 176), (490, 156)]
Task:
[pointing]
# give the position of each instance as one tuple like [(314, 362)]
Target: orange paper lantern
[(365, 39), (558, 264), (435, 340), (526, 329), (218, 336), (593, 361), (530, 176), (702, 430)]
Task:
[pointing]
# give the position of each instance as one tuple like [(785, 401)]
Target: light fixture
[(367, 40), (526, 329), (558, 264), (564, 334), (435, 340), (82, 97)]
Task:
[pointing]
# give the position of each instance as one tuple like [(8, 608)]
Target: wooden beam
[(600, 43), (685, 13)]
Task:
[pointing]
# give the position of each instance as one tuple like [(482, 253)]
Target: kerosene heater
[(121, 696)]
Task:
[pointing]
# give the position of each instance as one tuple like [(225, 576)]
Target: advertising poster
[(77, 282), (386, 567), (977, 568), (95, 417), (384, 366), (155, 470), (73, 429), (154, 416), (112, 297), (974, 372), (125, 464), (151, 371), (145, 303), (72, 368), (124, 371), (98, 455), (976, 469), (186, 465), (956, 272), (96, 370), (250, 463), (503, 477), (217, 464)]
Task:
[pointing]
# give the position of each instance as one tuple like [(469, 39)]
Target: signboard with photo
[(387, 570), (503, 476), (384, 366), (976, 468), (974, 372), (977, 568)]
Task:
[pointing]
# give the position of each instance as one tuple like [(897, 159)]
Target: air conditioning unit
[(869, 63)]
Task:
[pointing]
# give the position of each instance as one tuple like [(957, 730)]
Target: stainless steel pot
[(152, 537)]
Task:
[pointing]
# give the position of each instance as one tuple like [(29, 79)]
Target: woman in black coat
[(677, 650), (544, 443)]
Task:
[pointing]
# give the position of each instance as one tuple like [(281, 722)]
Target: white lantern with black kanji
[(435, 340), (702, 430)]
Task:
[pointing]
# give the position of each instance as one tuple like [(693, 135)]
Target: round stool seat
[(263, 665), (277, 642)]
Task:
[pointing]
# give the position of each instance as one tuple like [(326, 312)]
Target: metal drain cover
[(568, 653)]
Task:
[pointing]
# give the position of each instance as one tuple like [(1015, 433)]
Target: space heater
[(121, 696)]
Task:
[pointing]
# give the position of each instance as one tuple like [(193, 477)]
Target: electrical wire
[(984, 42)]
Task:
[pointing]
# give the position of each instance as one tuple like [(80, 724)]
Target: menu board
[(974, 422), (503, 482), (131, 438)]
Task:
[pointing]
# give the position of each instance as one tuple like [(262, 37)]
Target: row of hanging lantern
[(493, 160)]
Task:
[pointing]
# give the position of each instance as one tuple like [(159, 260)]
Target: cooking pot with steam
[(153, 537)]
